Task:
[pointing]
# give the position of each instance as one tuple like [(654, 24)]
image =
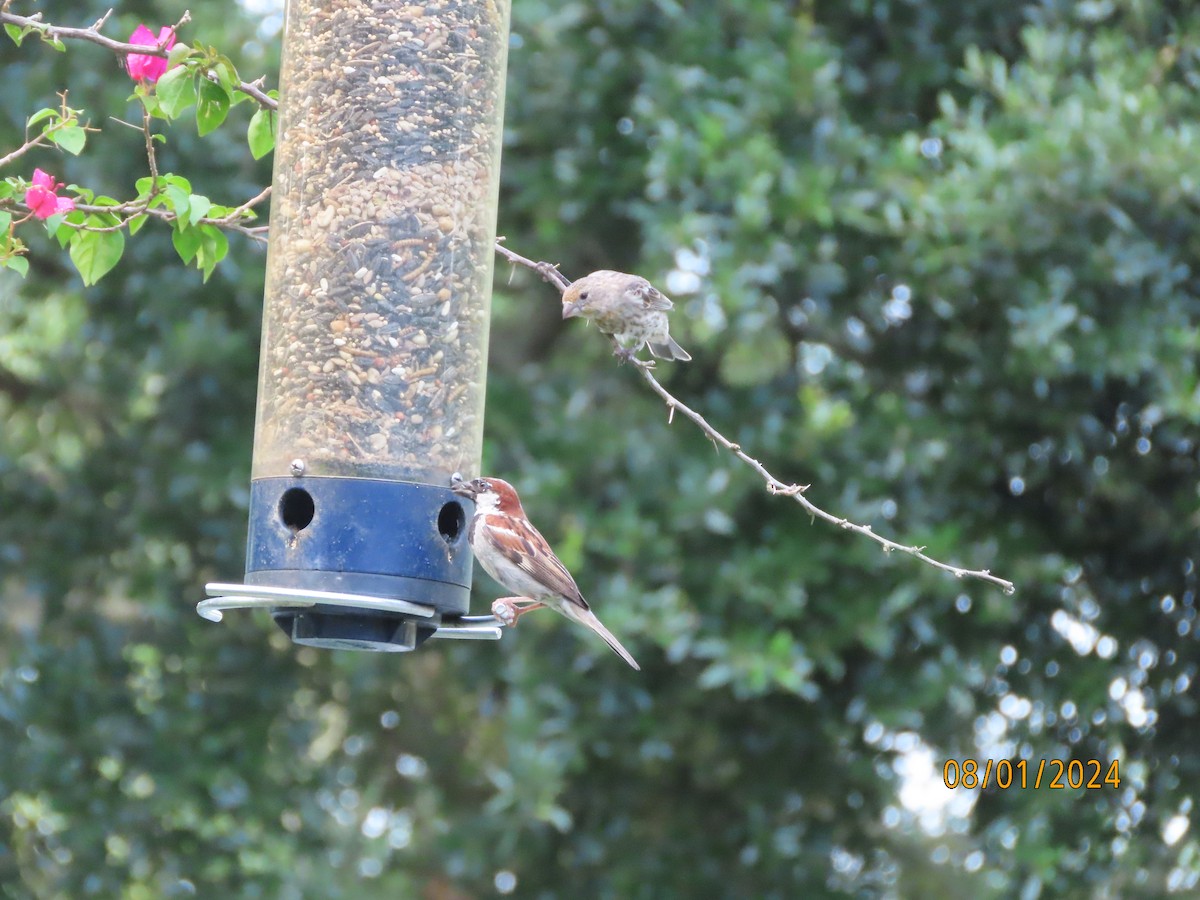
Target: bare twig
[(254, 89), (151, 158), (238, 213), (38, 141), (550, 273), (99, 23)]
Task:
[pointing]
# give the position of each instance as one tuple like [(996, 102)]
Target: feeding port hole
[(296, 508), (451, 520)]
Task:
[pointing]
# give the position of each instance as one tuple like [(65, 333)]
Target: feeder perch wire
[(222, 596)]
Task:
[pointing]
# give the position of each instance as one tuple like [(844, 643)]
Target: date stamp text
[(1022, 774)]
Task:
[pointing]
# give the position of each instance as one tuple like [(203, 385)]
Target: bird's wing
[(524, 546), (652, 297)]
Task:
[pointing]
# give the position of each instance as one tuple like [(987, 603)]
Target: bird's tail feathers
[(669, 350), (588, 618)]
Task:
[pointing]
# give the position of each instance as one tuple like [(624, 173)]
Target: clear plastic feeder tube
[(383, 222), (375, 326)]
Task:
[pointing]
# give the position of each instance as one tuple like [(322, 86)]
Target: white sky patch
[(1080, 635), (923, 793), (1175, 828), (270, 13), (1132, 702), (691, 265)]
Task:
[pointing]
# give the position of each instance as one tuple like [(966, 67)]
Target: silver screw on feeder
[(375, 323)]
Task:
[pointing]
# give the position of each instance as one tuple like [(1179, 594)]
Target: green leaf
[(55, 43), (176, 91), (212, 106), (5, 220), (261, 134), (40, 116), (96, 252), (72, 138), (178, 200), (18, 264), (136, 223), (150, 101), (178, 181), (214, 245), (52, 223), (63, 231), (226, 75), (187, 243), (199, 207), (6, 190), (15, 33), (177, 55)]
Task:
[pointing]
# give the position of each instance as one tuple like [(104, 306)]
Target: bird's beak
[(570, 310), (460, 487)]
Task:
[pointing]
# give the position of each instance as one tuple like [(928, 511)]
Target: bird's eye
[(583, 295)]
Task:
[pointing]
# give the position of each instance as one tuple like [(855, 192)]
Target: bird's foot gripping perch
[(508, 609), (624, 355)]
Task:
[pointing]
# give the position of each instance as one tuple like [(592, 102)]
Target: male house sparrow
[(629, 308), (513, 552)]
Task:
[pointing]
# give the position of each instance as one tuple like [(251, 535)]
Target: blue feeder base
[(378, 539)]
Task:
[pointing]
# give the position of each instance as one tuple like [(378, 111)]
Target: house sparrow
[(513, 552), (629, 308)]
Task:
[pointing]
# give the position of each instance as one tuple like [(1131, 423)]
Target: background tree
[(936, 258)]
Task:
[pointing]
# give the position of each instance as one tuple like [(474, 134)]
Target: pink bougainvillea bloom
[(42, 199), (149, 68)]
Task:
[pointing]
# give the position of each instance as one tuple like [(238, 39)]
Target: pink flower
[(149, 68), (42, 199)]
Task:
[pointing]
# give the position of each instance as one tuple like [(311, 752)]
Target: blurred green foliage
[(935, 258)]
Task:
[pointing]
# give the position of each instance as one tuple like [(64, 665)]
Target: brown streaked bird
[(513, 552), (629, 308)]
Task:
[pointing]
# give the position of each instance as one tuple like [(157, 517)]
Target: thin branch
[(151, 157), (99, 23), (93, 35), (39, 141), (238, 213), (66, 118), (253, 88), (550, 273), (130, 211)]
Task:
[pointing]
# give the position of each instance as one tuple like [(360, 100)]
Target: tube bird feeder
[(375, 322)]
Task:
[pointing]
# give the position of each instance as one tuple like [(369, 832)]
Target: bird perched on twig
[(629, 308), (513, 552)]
